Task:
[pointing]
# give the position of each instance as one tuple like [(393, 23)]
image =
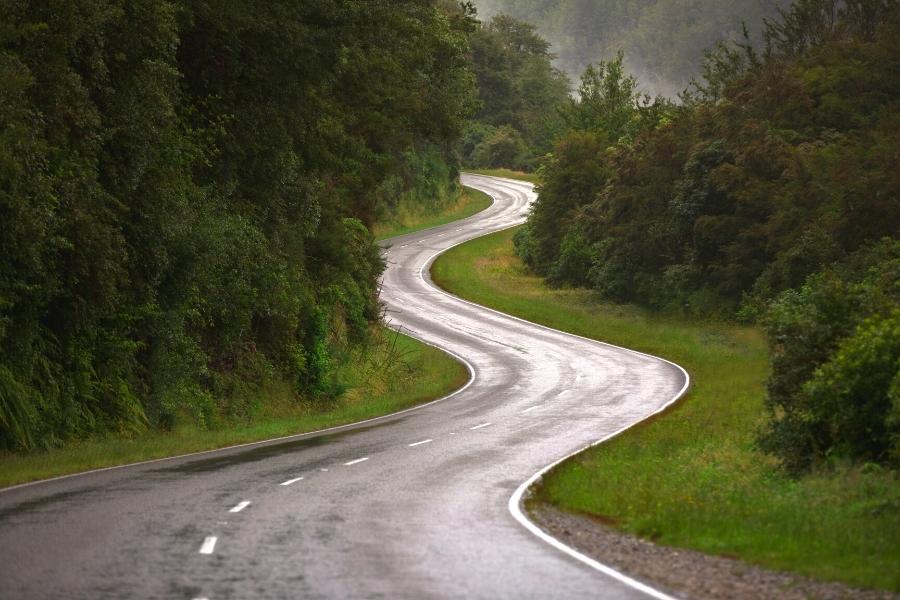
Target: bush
[(504, 148), (834, 364), (851, 404)]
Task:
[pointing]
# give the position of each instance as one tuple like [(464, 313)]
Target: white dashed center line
[(480, 426), (357, 461), (241, 506), (528, 410), (209, 544), (290, 481), (420, 443)]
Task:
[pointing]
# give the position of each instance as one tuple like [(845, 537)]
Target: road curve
[(413, 505)]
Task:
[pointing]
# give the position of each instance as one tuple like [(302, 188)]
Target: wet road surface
[(408, 506)]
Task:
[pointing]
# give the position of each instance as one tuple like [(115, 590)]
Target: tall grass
[(692, 477)]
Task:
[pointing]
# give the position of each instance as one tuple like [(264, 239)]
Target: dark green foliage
[(835, 349), (578, 161), (520, 92), (185, 189), (737, 195)]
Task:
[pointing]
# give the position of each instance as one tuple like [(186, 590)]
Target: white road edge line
[(290, 481), (480, 426), (355, 462), (414, 444), (240, 506), (515, 500), (209, 544), (528, 410)]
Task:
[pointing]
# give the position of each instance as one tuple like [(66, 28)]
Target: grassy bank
[(410, 217), (511, 174), (691, 477), (396, 373)]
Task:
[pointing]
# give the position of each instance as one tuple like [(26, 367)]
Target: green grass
[(691, 477), (508, 173), (408, 218), (396, 373)]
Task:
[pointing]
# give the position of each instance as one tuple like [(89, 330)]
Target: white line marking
[(209, 544), (290, 481), (324, 470), (420, 443), (452, 433), (528, 410), (357, 461), (480, 426), (240, 506)]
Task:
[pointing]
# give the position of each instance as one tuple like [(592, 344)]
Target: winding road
[(421, 504)]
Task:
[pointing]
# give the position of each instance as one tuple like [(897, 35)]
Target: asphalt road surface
[(409, 506)]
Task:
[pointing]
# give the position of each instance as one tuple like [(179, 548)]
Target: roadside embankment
[(394, 373)]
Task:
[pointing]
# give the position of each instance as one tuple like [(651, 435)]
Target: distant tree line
[(185, 190), (770, 192), (519, 96)]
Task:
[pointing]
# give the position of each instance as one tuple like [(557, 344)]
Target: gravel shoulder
[(686, 573)]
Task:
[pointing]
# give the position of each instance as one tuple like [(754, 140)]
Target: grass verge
[(509, 173), (691, 477), (396, 373), (408, 218)]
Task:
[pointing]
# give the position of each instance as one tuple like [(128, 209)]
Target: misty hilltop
[(663, 40)]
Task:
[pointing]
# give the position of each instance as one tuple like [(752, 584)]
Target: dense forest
[(185, 194), (770, 192), (663, 40)]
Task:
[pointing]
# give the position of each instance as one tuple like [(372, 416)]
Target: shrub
[(850, 406)]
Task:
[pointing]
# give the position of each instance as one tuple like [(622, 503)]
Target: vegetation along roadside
[(693, 477), (394, 373)]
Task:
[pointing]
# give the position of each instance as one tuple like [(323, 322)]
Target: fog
[(663, 40)]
